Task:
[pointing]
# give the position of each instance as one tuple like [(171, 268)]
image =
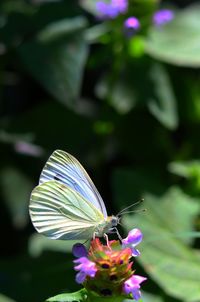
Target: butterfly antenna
[(134, 211), (125, 209)]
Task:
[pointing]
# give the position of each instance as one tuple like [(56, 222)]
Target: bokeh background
[(128, 107)]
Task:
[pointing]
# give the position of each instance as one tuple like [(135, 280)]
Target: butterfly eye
[(114, 221)]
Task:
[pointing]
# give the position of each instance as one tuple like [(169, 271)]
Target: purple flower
[(132, 286), (28, 149), (112, 9), (105, 10), (162, 17), (131, 25), (79, 250), (120, 5), (85, 268), (134, 238)]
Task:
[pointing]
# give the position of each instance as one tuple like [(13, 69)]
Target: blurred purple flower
[(132, 286), (112, 9), (131, 25), (120, 5), (105, 10), (163, 16), (85, 268), (79, 250), (134, 238), (28, 149), (132, 22)]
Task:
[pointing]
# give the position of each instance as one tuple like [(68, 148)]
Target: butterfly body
[(106, 226), (66, 204)]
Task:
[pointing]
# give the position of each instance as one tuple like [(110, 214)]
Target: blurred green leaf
[(94, 33), (34, 279), (16, 188), (89, 5), (78, 296), (136, 46), (39, 244), (130, 184), (120, 94), (139, 84), (83, 295), (60, 129), (177, 42), (12, 138), (61, 29), (164, 253), (57, 59), (189, 169), (147, 297), (5, 299), (13, 6), (163, 102)]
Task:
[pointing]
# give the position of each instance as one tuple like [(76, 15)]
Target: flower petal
[(136, 294), (163, 16), (111, 9), (135, 252), (132, 285), (132, 23), (136, 279), (80, 277), (134, 238), (79, 250), (86, 268)]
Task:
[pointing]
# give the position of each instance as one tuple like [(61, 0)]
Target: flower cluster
[(107, 269), (163, 16), (112, 9), (131, 25)]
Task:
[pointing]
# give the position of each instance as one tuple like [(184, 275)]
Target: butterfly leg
[(94, 235), (117, 232), (107, 241)]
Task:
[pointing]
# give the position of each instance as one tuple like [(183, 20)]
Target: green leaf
[(16, 188), (129, 185), (177, 42), (61, 29), (57, 57), (188, 169), (89, 5), (5, 299), (78, 296), (94, 33), (34, 279), (147, 297), (163, 102), (120, 95), (12, 138), (165, 255), (39, 244), (84, 295)]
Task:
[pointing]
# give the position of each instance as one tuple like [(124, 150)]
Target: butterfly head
[(108, 225), (114, 221)]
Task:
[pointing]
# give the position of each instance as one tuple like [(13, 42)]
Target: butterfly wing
[(62, 166), (59, 212)]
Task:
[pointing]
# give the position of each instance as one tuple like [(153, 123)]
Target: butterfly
[(66, 204)]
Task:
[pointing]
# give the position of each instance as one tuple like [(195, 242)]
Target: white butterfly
[(66, 203)]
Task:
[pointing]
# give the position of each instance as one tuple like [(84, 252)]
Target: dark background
[(92, 97)]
